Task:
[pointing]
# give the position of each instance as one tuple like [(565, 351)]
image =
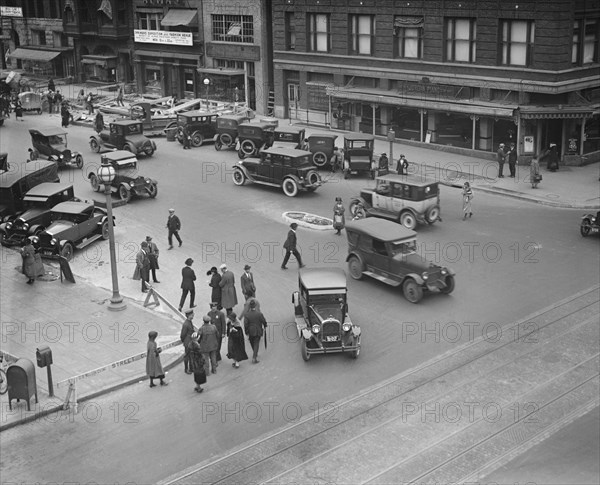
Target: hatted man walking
[(173, 225), (254, 325), (187, 284), (290, 247), (247, 279)]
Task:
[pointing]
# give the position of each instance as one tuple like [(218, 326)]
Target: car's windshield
[(403, 247), (329, 305)]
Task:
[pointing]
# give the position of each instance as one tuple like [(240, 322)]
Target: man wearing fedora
[(290, 247), (187, 330), (248, 288), (174, 226), (153, 256), (228, 293), (254, 325), (501, 155), (217, 318), (187, 284), (142, 266)]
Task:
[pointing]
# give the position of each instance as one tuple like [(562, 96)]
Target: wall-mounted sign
[(163, 37), (11, 11), (528, 144)]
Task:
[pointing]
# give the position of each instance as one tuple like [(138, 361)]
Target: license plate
[(331, 338)]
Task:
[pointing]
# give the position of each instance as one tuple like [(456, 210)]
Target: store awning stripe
[(177, 17), (557, 115), (34, 55)]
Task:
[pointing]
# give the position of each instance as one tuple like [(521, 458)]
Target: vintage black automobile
[(201, 126), (127, 182), (321, 314), (397, 198), (227, 130), (254, 137), (358, 154), (322, 146), (74, 226), (288, 136), (290, 169), (123, 135), (52, 143), (38, 203), (590, 224), (388, 252), (17, 178)]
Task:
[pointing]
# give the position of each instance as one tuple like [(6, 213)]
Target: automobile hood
[(59, 226), (138, 140), (31, 213), (416, 263), (285, 144)]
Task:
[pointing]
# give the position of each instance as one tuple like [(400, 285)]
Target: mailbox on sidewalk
[(21, 382)]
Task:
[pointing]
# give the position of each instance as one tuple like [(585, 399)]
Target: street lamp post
[(106, 174), (207, 84)]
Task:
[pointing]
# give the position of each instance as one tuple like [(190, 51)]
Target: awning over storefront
[(102, 61), (221, 72), (178, 16), (555, 112), (34, 55), (387, 97)]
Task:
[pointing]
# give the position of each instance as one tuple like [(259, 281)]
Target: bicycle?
[(3, 380)]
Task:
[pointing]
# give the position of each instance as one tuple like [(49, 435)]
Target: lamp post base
[(116, 304)]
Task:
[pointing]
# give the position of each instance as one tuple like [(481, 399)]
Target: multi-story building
[(32, 38), (467, 73)]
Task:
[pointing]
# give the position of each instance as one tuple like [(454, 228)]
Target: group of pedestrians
[(509, 155)]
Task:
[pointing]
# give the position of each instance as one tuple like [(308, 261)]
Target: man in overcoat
[(187, 284), (153, 256), (142, 266), (247, 279), (187, 330), (511, 156), (174, 226), (217, 318), (215, 279), (501, 155), (228, 293), (290, 247), (254, 326), (208, 338)]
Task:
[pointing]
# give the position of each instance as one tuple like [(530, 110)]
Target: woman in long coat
[(154, 368), (339, 220), (534, 173), (197, 363), (236, 347), (28, 255), (215, 279), (228, 293)]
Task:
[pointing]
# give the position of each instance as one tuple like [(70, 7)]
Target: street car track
[(555, 335)]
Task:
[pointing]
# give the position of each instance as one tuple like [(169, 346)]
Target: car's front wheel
[(304, 350), (449, 288), (218, 144), (412, 291), (79, 161), (290, 187), (319, 159), (104, 230), (124, 193), (355, 267), (239, 177), (149, 151), (67, 251), (94, 145), (197, 139), (585, 228), (408, 220), (153, 190), (225, 139), (95, 182)]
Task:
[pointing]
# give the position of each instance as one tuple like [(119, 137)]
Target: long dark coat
[(197, 363), (142, 266), (215, 295), (228, 293), (28, 255), (340, 221), (236, 346), (187, 278), (154, 367), (153, 255)]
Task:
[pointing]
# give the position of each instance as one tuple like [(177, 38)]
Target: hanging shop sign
[(163, 37), (11, 11)]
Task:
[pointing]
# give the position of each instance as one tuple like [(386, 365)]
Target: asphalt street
[(511, 258)]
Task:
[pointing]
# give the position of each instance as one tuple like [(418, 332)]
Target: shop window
[(362, 34), (319, 32), (460, 40), (189, 82), (233, 28), (152, 77), (517, 42), (585, 41), (149, 21), (408, 33), (290, 32)]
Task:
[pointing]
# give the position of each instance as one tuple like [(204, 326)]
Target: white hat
[(223, 266)]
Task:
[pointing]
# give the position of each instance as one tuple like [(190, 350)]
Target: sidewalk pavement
[(81, 332), (569, 187)]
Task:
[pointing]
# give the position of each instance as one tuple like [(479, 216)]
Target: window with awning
[(180, 18)]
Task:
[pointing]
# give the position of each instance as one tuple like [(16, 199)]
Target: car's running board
[(379, 277), (89, 240)]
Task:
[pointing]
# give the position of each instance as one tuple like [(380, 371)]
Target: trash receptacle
[(21, 382), (171, 134)]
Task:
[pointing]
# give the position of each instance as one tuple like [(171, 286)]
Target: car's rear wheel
[(355, 267), (67, 251), (94, 145), (408, 220), (355, 343), (355, 209), (449, 288), (313, 177), (412, 291), (153, 190), (304, 350), (149, 151), (290, 187), (433, 214), (104, 230), (130, 148), (124, 193), (197, 139), (239, 177), (248, 147), (319, 159), (79, 161), (585, 228), (95, 182)]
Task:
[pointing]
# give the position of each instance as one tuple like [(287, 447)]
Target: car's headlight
[(346, 327), (62, 156), (53, 241), (444, 271), (425, 275), (132, 184), (316, 328), (9, 225), (593, 219), (148, 181), (25, 226)]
